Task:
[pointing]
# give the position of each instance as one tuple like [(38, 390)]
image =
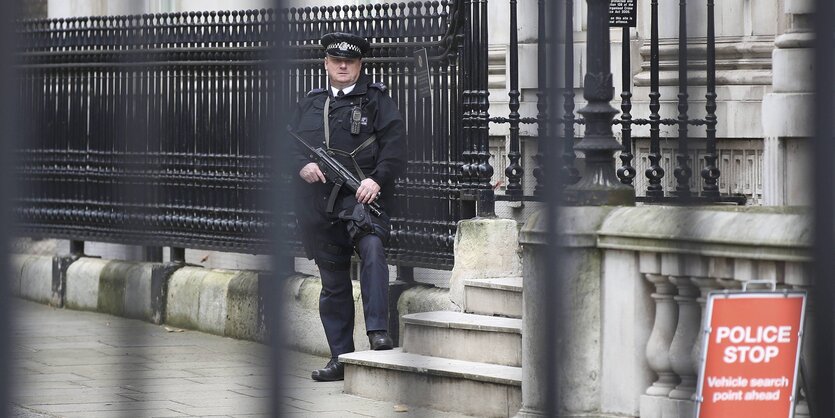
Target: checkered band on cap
[(344, 46), (347, 45)]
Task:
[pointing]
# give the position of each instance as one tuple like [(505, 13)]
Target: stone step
[(499, 297), (479, 389), (463, 336)]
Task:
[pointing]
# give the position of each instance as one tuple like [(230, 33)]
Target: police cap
[(345, 45)]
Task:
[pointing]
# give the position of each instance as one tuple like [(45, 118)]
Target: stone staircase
[(468, 362)]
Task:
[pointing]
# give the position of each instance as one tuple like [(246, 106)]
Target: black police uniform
[(364, 112)]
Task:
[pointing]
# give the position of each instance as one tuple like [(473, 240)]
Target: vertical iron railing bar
[(440, 150), (112, 147), (408, 12), (432, 116), (59, 148), (366, 20), (682, 172), (104, 151), (654, 172), (226, 141), (514, 170), (626, 172), (571, 174), (219, 118), (238, 195), (155, 124), (9, 189), (424, 122), (395, 75), (90, 179), (185, 159), (599, 184), (710, 173), (99, 152), (541, 99), (441, 129), (70, 193), (553, 192), (173, 89), (275, 193), (822, 150), (125, 156), (486, 199), (467, 97), (454, 93), (444, 148)]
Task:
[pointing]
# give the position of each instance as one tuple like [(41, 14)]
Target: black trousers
[(336, 302)]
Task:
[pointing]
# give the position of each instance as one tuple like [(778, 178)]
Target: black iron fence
[(703, 187), (142, 129), (148, 129), (442, 145)]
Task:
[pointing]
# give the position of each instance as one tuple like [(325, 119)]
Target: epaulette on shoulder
[(316, 91), (379, 86)]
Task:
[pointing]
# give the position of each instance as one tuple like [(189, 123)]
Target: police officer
[(356, 120)]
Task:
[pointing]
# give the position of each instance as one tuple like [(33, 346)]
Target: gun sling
[(338, 184)]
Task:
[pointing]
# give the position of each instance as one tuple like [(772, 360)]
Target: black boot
[(333, 371), (380, 340)]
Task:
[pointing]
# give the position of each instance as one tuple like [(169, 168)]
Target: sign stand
[(751, 353), (804, 384)]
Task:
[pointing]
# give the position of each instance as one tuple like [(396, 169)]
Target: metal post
[(541, 99), (551, 298), (9, 135), (626, 173), (484, 171), (710, 173), (514, 169), (599, 185), (654, 173), (683, 172), (570, 173), (823, 150)]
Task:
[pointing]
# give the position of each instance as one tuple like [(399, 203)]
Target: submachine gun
[(335, 172)]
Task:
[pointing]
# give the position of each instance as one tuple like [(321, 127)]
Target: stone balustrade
[(650, 269)]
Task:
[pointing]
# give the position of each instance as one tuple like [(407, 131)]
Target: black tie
[(340, 93)]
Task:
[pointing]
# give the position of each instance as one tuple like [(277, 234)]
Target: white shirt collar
[(345, 90)]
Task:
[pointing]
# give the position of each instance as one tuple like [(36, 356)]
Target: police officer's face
[(342, 72)]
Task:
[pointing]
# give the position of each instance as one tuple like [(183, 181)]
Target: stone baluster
[(717, 269), (681, 270), (663, 329), (798, 278)]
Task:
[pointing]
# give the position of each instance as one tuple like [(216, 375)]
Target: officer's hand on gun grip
[(367, 191), (311, 173)]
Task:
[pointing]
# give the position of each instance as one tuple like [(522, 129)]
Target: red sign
[(750, 355)]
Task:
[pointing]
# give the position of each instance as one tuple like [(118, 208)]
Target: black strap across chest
[(351, 154)]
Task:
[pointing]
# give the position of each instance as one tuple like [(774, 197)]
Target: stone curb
[(221, 302)]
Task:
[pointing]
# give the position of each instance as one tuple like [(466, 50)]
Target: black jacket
[(383, 161)]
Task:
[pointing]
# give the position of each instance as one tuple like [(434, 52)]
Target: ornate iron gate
[(683, 191), (147, 129)]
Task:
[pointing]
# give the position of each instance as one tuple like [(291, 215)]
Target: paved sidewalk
[(82, 364)]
